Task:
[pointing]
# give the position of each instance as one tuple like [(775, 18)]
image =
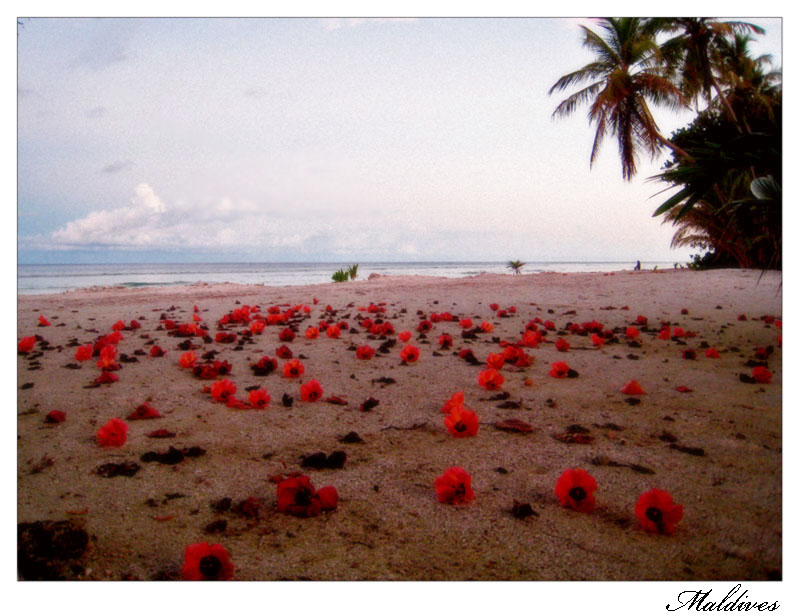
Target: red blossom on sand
[(259, 398), (493, 306), (107, 356), (105, 378), (424, 326), (293, 369), (55, 417), (465, 323), (491, 379), (205, 562), (409, 354), (223, 390), (641, 320), (157, 351), (461, 422), (562, 345), (286, 335), (84, 353), (118, 326), (43, 322), (333, 331), (297, 496), (487, 327), (762, 375), (328, 498), (311, 391), (26, 344), (559, 370), (575, 489), (365, 352), (657, 513), (664, 334), (632, 332), (113, 434), (457, 399), (188, 360), (404, 336), (495, 360), (531, 338), (257, 327), (144, 411), (632, 388), (312, 333), (284, 352), (454, 486), (712, 353), (445, 341), (598, 341), (678, 332)]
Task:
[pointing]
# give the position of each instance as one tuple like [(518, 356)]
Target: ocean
[(40, 279)]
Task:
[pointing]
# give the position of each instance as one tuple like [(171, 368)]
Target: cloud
[(353, 22), (96, 112), (116, 167)]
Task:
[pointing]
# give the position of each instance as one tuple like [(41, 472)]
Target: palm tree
[(694, 55), (515, 266), (627, 72)]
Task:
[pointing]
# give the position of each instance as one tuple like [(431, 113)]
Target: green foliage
[(515, 266), (340, 276), (352, 271)]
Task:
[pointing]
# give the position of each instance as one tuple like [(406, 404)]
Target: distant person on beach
[(638, 266)]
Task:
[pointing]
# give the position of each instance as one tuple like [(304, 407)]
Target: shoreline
[(388, 524)]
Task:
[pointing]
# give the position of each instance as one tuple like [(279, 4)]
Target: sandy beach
[(701, 432)]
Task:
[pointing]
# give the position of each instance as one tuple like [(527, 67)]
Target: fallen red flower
[(84, 353), (457, 399), (222, 390), (664, 334), (491, 379), (712, 353), (286, 335), (461, 422), (495, 360), (683, 389), (365, 352), (465, 323), (598, 341), (328, 498), (409, 354), (43, 322), (55, 417), (204, 562), (454, 486), (26, 344), (113, 434), (311, 391), (105, 378), (632, 388), (762, 375), (157, 351), (404, 336), (559, 370), (259, 398), (297, 496), (293, 369), (333, 331), (188, 360), (575, 489), (632, 332), (562, 345), (657, 513), (487, 327), (445, 341), (144, 411), (284, 352), (312, 333)]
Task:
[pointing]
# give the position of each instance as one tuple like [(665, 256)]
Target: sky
[(321, 139)]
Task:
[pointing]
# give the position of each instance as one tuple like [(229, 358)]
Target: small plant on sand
[(340, 276), (352, 271), (515, 266)]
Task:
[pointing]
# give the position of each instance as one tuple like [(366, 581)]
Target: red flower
[(55, 417), (312, 333), (559, 369), (598, 341), (107, 356), (531, 338), (491, 379), (657, 513), (118, 326), (204, 562), (549, 325), (286, 335), (575, 489), (284, 352), (684, 311), (495, 360), (494, 306), (297, 496), (157, 351), (664, 333), (487, 327), (43, 322), (562, 345), (26, 344), (762, 375), (678, 332), (712, 353), (311, 391), (461, 422), (256, 327), (258, 398), (106, 377), (144, 411), (333, 331), (632, 332), (424, 326), (84, 352), (445, 341), (455, 400), (592, 326), (454, 486), (188, 360), (223, 390), (293, 369), (409, 354), (365, 352), (632, 388), (404, 336), (113, 434), (641, 320), (465, 323)]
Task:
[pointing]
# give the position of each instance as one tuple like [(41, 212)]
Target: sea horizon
[(47, 278)]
